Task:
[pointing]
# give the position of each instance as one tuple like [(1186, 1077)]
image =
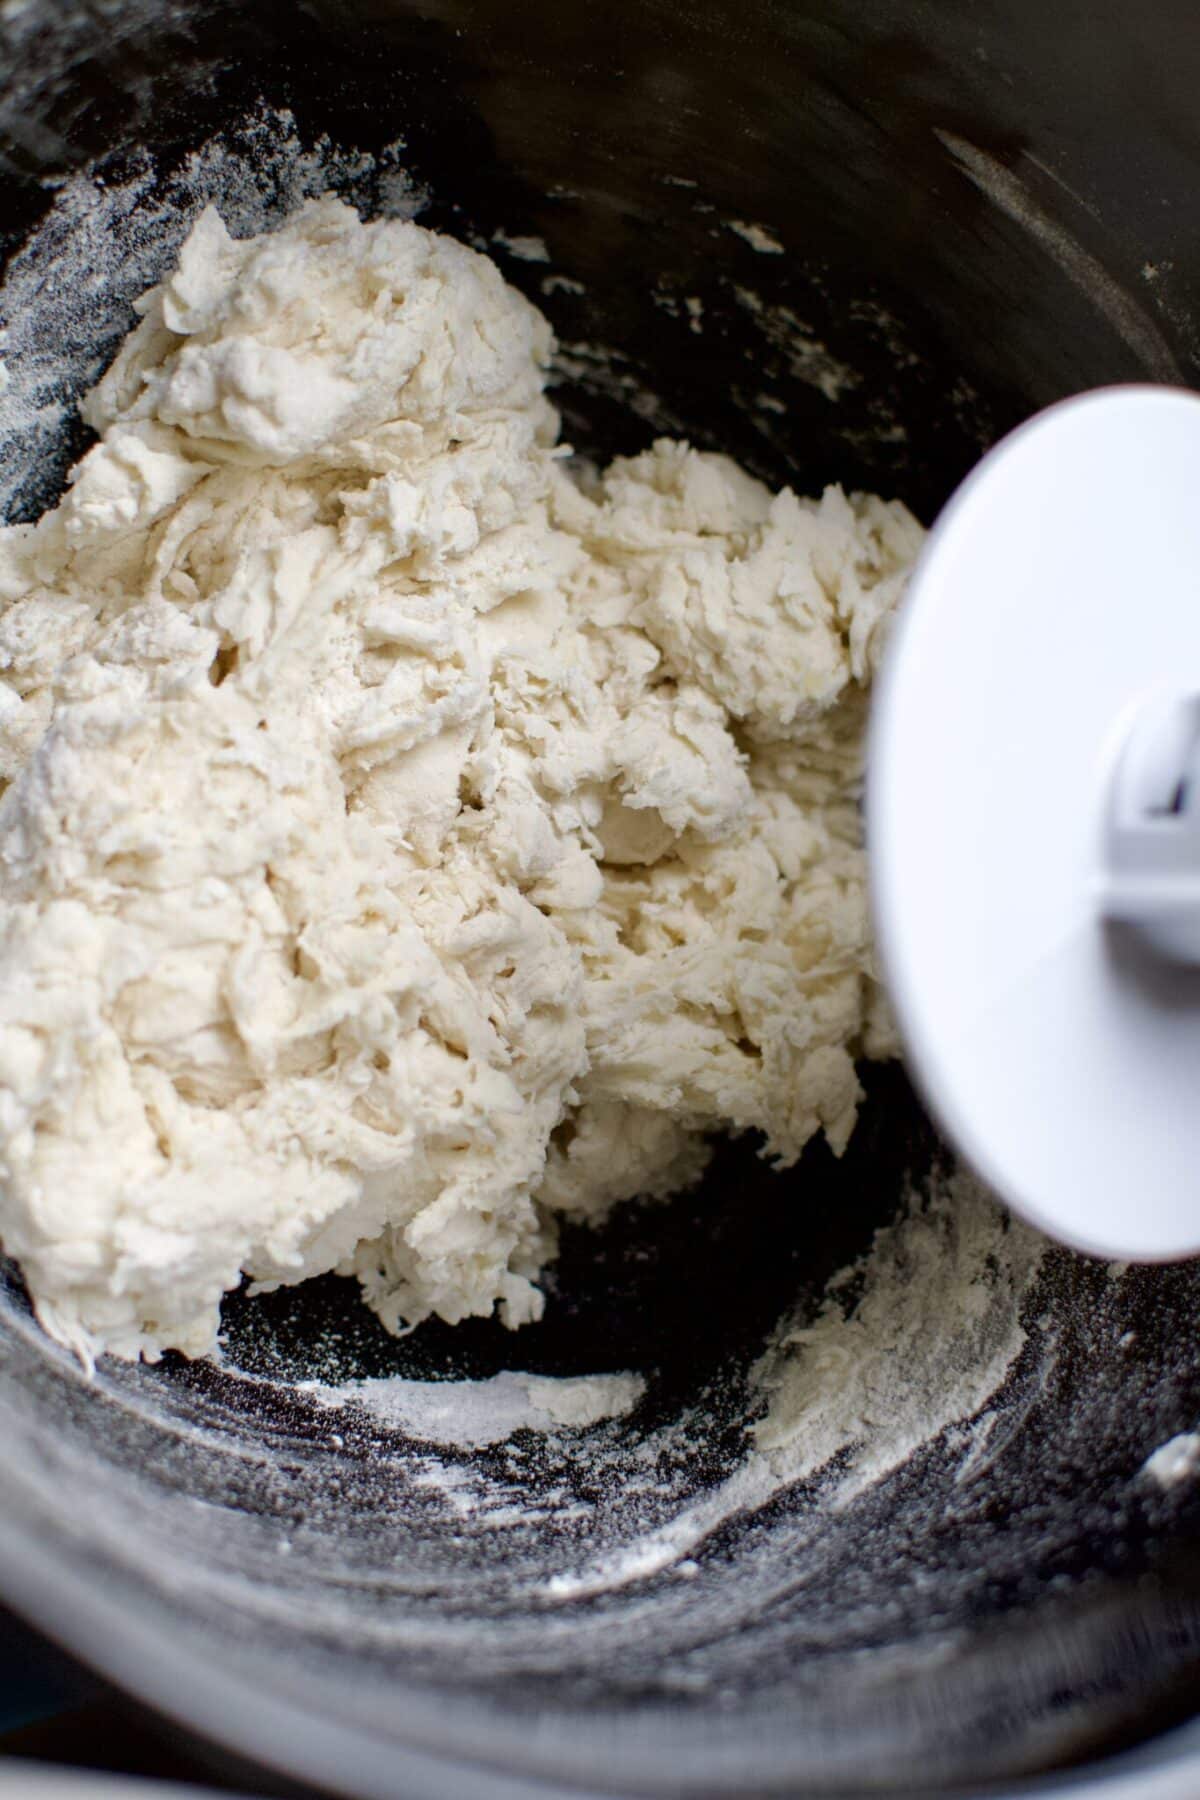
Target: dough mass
[(407, 840)]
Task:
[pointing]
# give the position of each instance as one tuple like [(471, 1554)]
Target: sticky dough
[(407, 839)]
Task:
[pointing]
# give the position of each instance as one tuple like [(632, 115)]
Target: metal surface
[(981, 209), (20, 1781)]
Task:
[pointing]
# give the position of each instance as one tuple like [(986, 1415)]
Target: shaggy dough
[(406, 840)]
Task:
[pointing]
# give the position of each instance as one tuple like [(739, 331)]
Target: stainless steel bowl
[(983, 209)]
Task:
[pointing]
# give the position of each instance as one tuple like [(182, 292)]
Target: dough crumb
[(1176, 1461), (406, 843), (757, 236)]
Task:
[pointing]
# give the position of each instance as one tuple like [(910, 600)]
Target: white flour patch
[(927, 1341), (525, 249), (1005, 189), (599, 369), (473, 1414), (809, 360), (915, 1339), (757, 236)]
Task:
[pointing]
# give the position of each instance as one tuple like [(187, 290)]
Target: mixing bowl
[(845, 240)]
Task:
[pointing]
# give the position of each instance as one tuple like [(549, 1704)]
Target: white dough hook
[(1033, 814)]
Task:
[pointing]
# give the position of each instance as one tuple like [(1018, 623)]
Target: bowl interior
[(949, 1573)]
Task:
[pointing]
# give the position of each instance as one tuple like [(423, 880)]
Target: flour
[(912, 1342), (473, 1414), (927, 1341), (404, 844), (1011, 195), (525, 249), (757, 236), (808, 358)]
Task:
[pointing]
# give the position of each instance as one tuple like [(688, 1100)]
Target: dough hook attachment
[(1033, 813)]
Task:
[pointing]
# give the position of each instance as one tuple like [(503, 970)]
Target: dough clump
[(406, 840)]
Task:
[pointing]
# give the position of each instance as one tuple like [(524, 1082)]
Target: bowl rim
[(157, 1667)]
